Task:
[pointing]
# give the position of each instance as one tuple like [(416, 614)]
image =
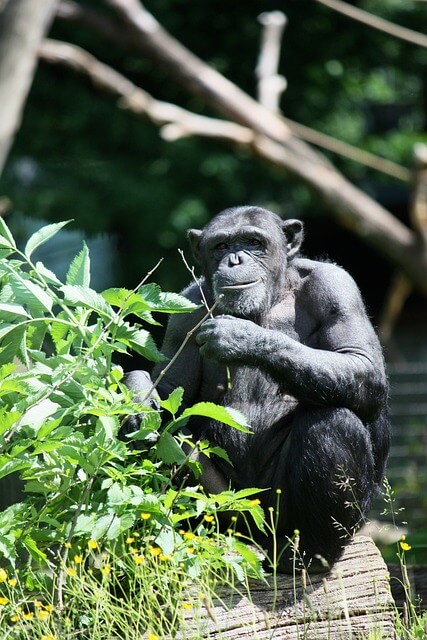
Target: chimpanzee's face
[(244, 254)]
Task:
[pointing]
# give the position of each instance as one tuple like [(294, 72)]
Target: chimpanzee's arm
[(345, 369)]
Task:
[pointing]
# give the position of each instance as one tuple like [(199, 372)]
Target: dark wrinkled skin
[(306, 369)]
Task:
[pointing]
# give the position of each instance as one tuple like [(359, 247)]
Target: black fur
[(306, 369)]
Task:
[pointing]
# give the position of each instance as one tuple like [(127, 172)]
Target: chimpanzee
[(290, 345)]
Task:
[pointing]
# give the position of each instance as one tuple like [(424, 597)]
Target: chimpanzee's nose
[(234, 259)]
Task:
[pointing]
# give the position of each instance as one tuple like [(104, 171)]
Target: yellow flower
[(3, 600), (50, 637), (106, 569), (145, 516), (78, 559), (3, 575), (43, 615), (209, 518), (14, 618), (191, 550), (92, 544), (72, 572), (152, 636), (187, 606), (12, 582), (129, 540), (164, 558), (405, 546), (28, 616), (254, 502), (189, 535), (139, 559), (38, 603), (67, 545), (155, 551), (49, 607)]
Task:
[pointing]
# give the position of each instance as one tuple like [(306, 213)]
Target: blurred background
[(78, 154)]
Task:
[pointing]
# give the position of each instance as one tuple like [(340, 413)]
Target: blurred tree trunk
[(23, 25)]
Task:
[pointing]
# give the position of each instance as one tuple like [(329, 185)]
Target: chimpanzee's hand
[(227, 339), (140, 383)]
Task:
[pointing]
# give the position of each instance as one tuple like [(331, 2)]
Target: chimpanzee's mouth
[(240, 285)]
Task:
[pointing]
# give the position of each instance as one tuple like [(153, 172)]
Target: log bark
[(23, 24), (353, 601)]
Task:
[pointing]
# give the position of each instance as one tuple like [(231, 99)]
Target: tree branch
[(23, 24), (376, 22), (273, 140), (270, 84), (349, 205)]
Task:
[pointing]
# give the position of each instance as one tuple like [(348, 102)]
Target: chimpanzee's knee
[(327, 480)]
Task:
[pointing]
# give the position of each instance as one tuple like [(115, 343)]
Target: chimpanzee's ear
[(294, 232), (194, 236)]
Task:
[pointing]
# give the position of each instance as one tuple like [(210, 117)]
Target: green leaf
[(88, 298), (157, 300), (169, 451), (14, 345), (9, 312), (7, 419), (47, 274), (6, 235), (173, 403), (37, 415), (227, 415), (33, 549), (139, 340), (22, 290), (42, 235), (79, 271)]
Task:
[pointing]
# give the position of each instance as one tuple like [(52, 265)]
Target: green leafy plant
[(86, 490)]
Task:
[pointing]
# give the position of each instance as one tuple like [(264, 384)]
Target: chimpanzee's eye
[(221, 246), (254, 242)]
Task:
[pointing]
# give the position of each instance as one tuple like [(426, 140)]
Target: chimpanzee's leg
[(327, 481)]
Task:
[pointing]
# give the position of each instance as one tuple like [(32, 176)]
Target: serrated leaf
[(139, 340), (7, 419), (169, 451), (47, 274), (164, 302), (21, 289), (173, 402), (43, 235), (79, 271), (14, 343), (9, 312), (227, 415), (6, 235), (86, 297)]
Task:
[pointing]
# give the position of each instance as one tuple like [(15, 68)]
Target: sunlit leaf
[(79, 271), (43, 235)]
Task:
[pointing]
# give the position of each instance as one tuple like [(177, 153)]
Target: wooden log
[(352, 601)]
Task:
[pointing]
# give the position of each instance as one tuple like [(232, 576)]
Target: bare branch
[(350, 206), (178, 122), (376, 22), (418, 211), (270, 84)]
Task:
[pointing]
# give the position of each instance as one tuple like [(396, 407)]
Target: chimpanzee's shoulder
[(328, 283)]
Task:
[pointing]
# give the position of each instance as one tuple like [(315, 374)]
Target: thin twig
[(181, 348)]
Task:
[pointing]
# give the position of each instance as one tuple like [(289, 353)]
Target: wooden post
[(353, 601)]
